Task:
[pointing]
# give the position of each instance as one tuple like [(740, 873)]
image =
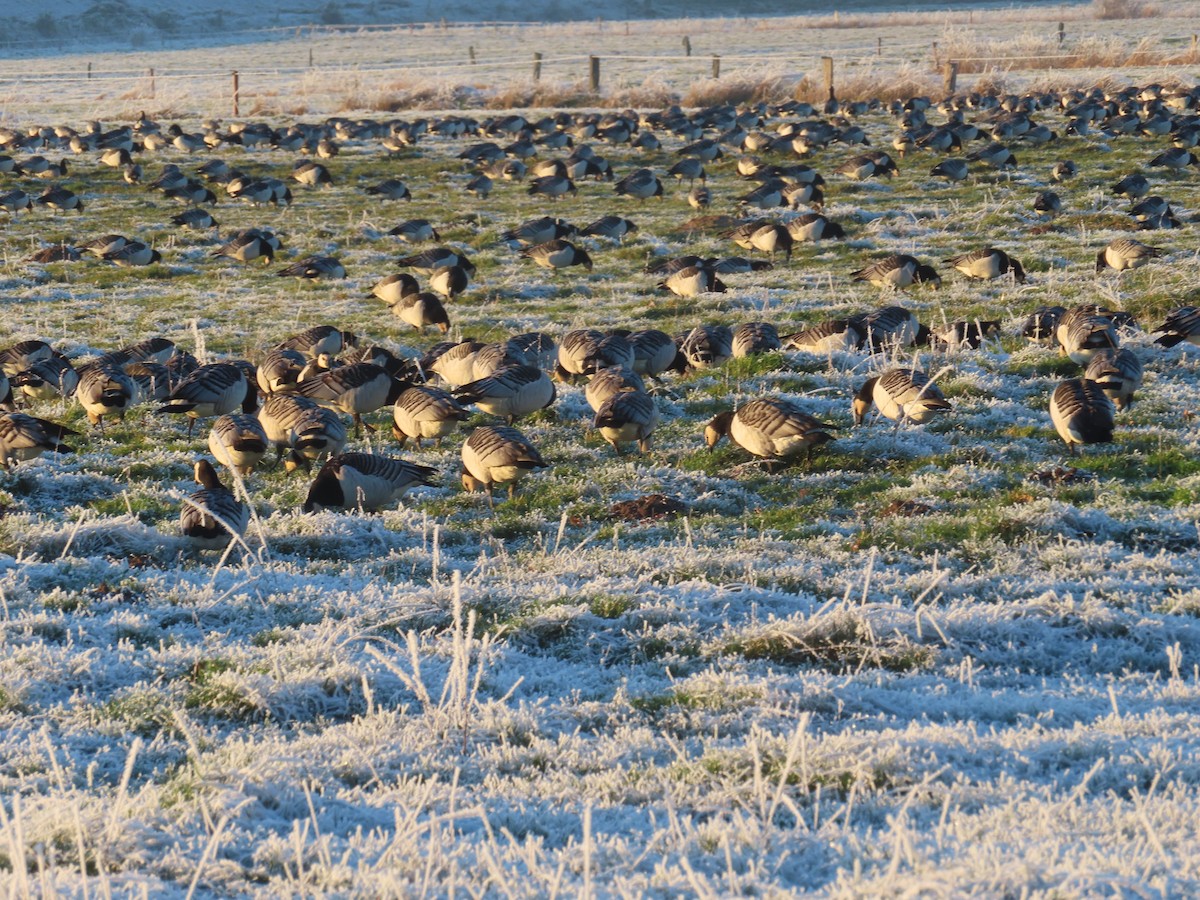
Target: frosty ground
[(906, 668)]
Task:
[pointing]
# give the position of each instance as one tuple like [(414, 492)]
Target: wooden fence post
[(90, 65), (687, 46), (827, 68), (716, 66), (879, 46), (950, 77), (152, 92), (1194, 39), (594, 68), (471, 52), (236, 94), (1062, 33), (537, 66), (310, 57), (937, 62)]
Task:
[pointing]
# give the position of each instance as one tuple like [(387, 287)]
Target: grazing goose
[(494, 455), (450, 281), (15, 201), (538, 231), (354, 389), (1083, 331), (392, 287), (279, 415), (414, 231), (889, 327), (364, 481), (1047, 202), (901, 395), (772, 428), (1119, 374), (211, 390), (641, 184), (699, 197), (453, 363), (23, 354), (195, 219), (134, 253), (706, 346), (1042, 323), (421, 310), (552, 186), (957, 335), (630, 415), (390, 189), (987, 263), (426, 413), (247, 247), (654, 352), (754, 337), (429, 261), (1182, 324), (46, 379), (313, 267), (279, 371), (1177, 158), (238, 442), (105, 390), (1063, 170), (511, 392), (1133, 186), (693, 281), (834, 334), (317, 433), (25, 437), (612, 227), (898, 272), (212, 516), (995, 155), (607, 383), (61, 199), (1082, 413), (1126, 253), (813, 228), (320, 339), (951, 169), (558, 254)]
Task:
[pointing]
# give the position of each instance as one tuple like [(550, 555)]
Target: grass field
[(924, 664)]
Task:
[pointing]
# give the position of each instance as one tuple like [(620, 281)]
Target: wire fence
[(396, 63)]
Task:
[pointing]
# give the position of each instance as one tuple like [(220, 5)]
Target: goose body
[(1182, 324), (900, 394), (354, 389), (212, 516), (494, 455), (1083, 331), (628, 416), (1119, 374), (511, 392), (825, 337), (313, 267), (211, 390), (558, 254), (987, 263), (607, 383), (898, 271), (238, 442), (772, 428), (1082, 413), (25, 437), (1126, 253), (364, 480), (105, 390), (425, 413)]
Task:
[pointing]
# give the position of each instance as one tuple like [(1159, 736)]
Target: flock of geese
[(301, 397)]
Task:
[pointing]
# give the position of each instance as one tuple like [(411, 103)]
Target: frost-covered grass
[(905, 667)]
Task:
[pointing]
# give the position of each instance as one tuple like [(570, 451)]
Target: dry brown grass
[(1108, 10), (1042, 51), (873, 83)]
